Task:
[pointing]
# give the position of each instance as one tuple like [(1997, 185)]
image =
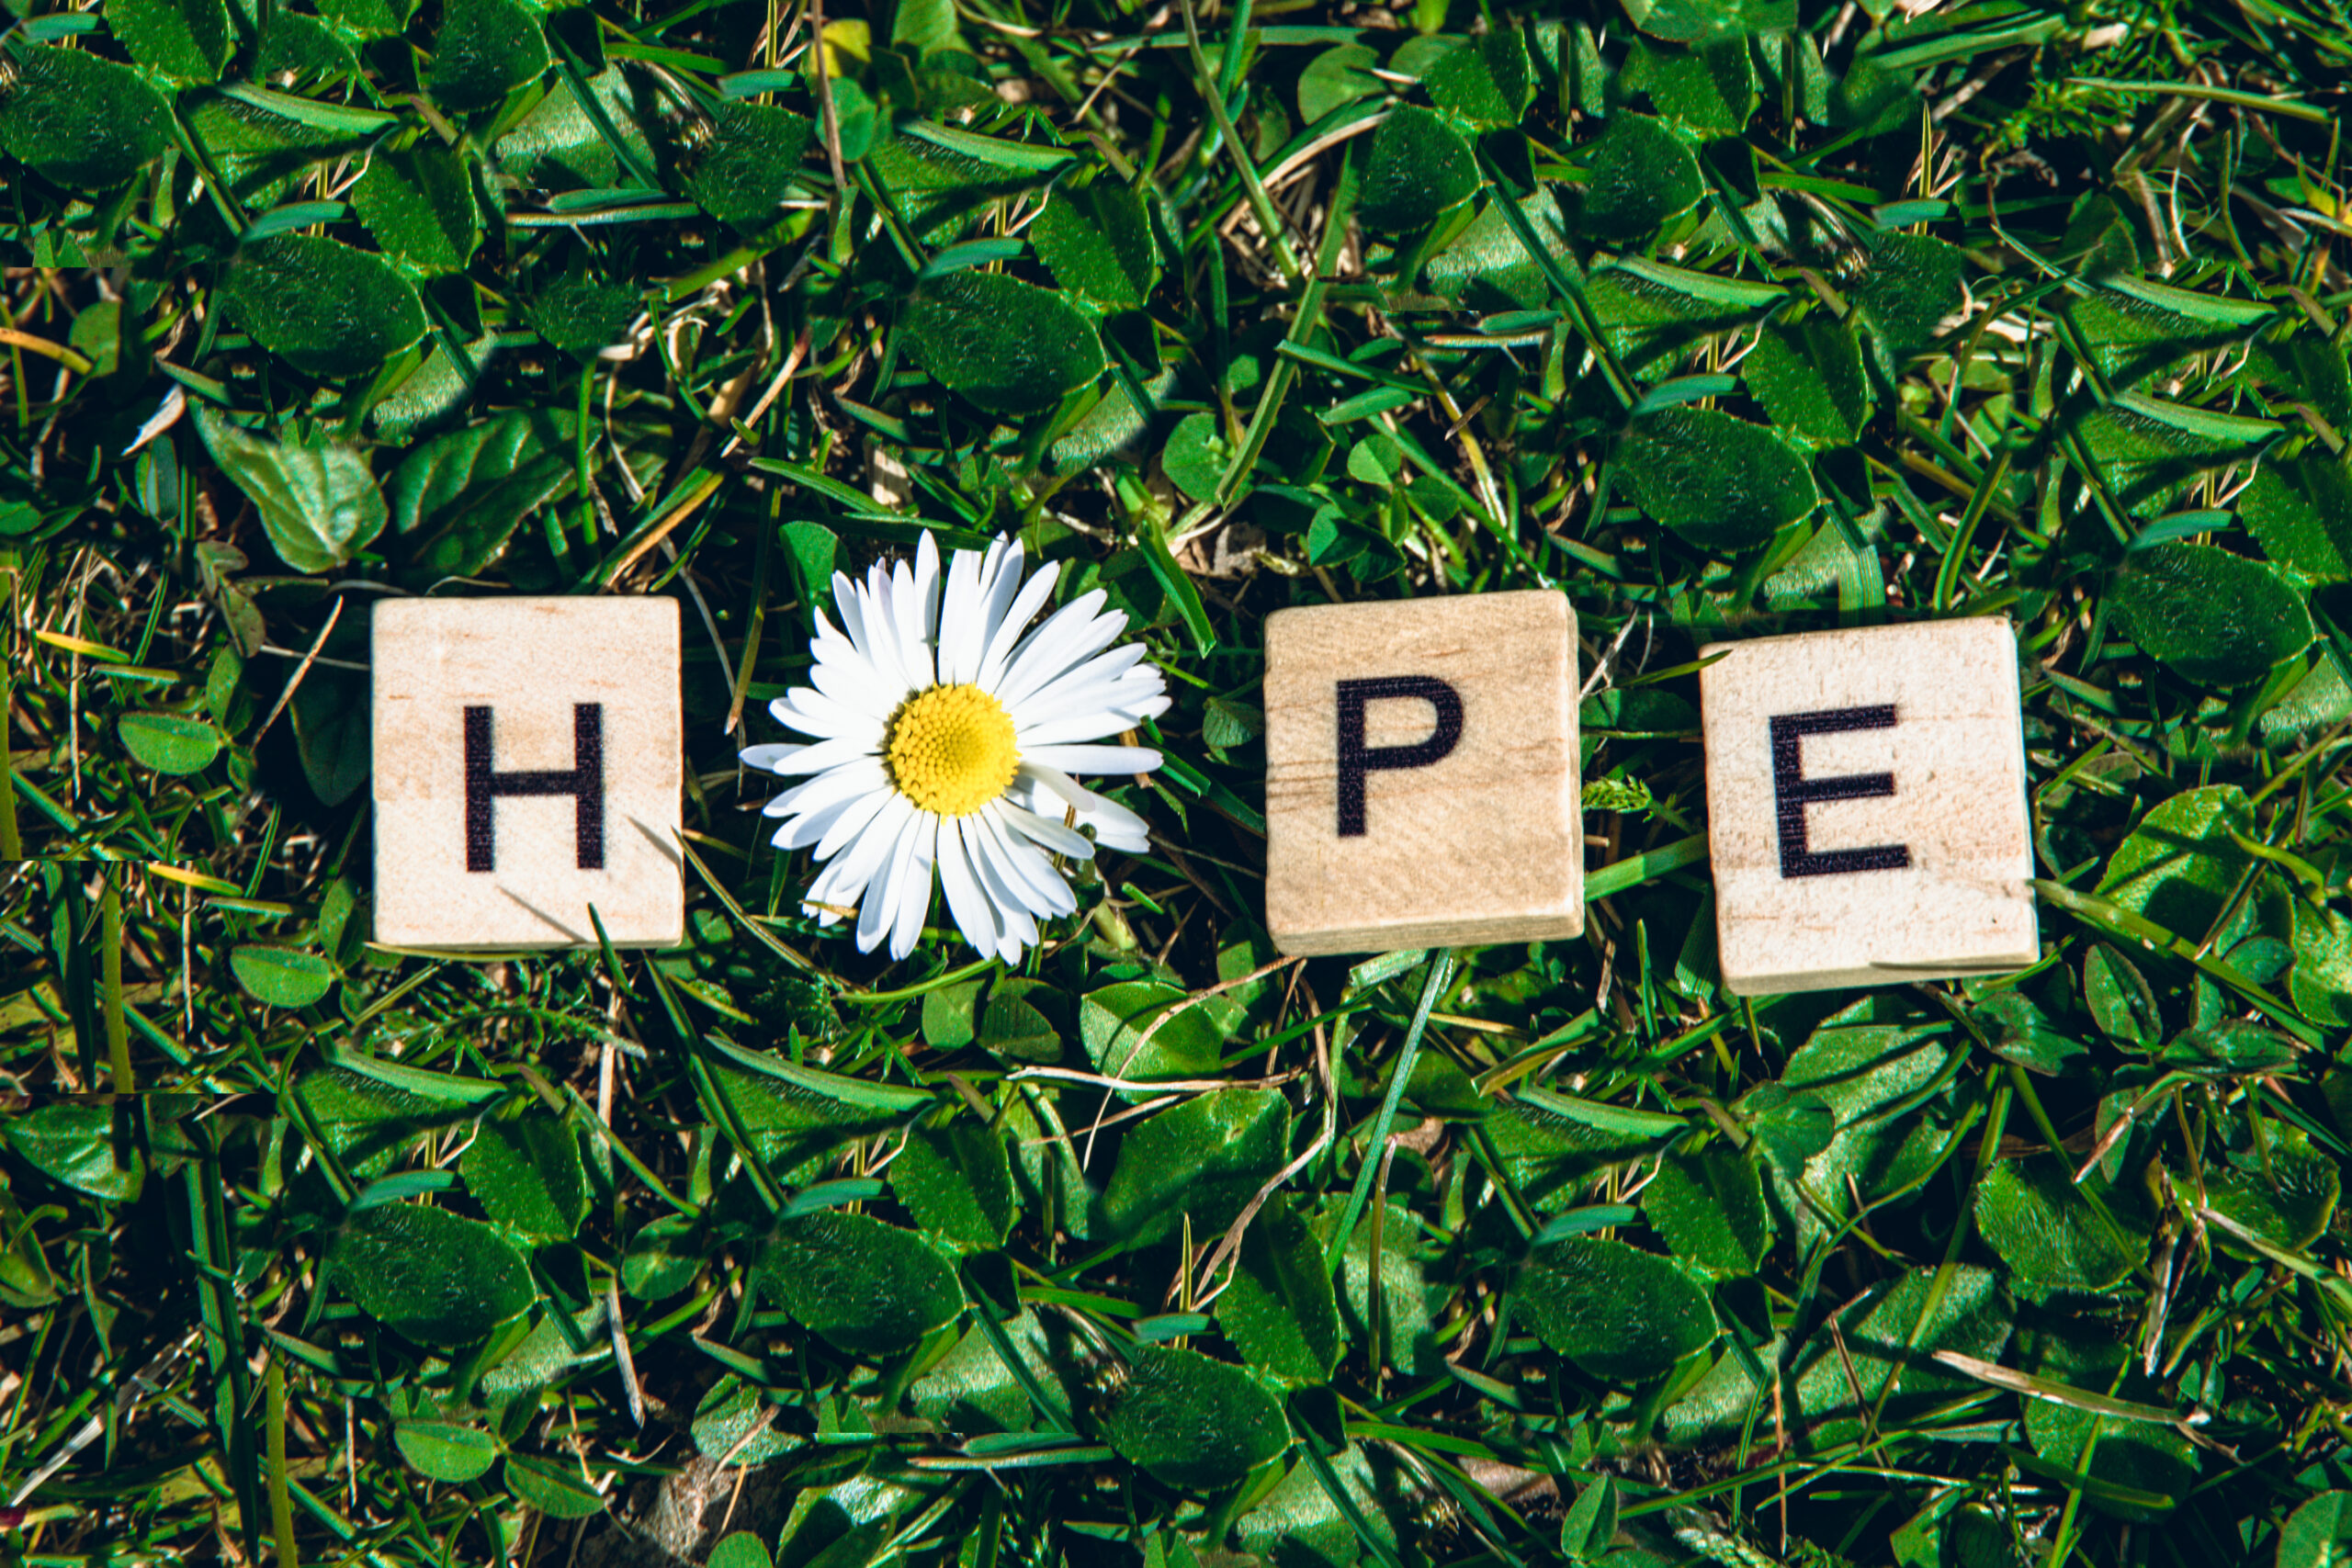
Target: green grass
[(316, 1251)]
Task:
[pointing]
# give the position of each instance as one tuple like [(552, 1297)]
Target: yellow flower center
[(950, 750)]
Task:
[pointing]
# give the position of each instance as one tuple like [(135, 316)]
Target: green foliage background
[(1718, 316)]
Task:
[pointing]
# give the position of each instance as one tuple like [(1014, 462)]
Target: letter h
[(583, 781)]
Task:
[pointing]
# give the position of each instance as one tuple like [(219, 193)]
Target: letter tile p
[(1421, 780)]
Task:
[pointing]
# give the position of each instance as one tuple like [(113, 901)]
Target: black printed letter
[(584, 782), (1356, 759), (1792, 792)]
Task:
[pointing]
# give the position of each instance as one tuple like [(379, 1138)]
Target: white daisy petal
[(1029, 876), (1006, 636), (878, 913), (810, 826), (967, 903), (959, 626), (1017, 924), (1093, 759), (1116, 827), (1049, 832), (999, 585), (861, 819), (863, 776), (766, 756), (863, 851), (1073, 633), (824, 754), (914, 894)]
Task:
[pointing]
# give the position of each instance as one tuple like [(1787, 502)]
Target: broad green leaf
[(527, 1174), (943, 178), (484, 50), (1394, 1297), (742, 1549), (796, 1113), (2214, 618), (325, 309), (167, 743), (330, 728), (442, 1450), (1857, 1069), (1547, 1153), (580, 315), (558, 1488), (1710, 88), (458, 498), (957, 1182), (77, 1145), (748, 163), (2309, 1537), (2031, 1214), (1205, 1157), (865, 1286), (2228, 1046), (1886, 1337), (1298, 1524), (1908, 285), (1098, 241), (1419, 167), (1489, 265), (1718, 481), (1191, 1422), (1809, 377), (1196, 456), (303, 50), (924, 26), (2120, 1000), (663, 1259), (1114, 1021), (2182, 864), (1686, 21), (1278, 1309), (419, 204), (734, 1424), (188, 41), (560, 1344), (1336, 78), (2300, 508), (1618, 1313), (2286, 1194), (2151, 451), (2017, 1031), (2321, 981), (1011, 347), (1791, 1125), (972, 1390), (282, 976), (1710, 1209), (558, 145), (2145, 1465), (1487, 83), (367, 1120), (435, 1277), (319, 503), (86, 123), (1012, 1026)]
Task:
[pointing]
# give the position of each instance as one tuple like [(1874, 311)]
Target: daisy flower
[(944, 738)]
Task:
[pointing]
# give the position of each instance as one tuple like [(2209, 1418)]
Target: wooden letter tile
[(1421, 785), (1866, 811), (528, 759)]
